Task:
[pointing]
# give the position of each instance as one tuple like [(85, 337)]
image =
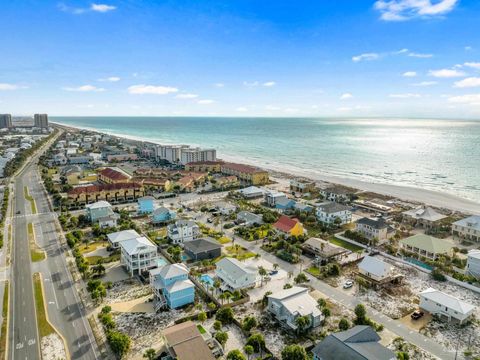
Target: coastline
[(406, 193)]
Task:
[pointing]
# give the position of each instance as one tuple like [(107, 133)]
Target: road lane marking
[(31, 342), (19, 346)]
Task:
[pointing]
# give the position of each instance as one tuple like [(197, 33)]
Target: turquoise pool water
[(161, 262), (419, 263), (207, 279)]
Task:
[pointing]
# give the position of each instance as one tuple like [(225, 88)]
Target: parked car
[(417, 314), (19, 212), (274, 272), (348, 284)]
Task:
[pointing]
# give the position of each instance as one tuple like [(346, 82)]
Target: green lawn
[(93, 260), (85, 249), (201, 329), (3, 338), (313, 270), (239, 252), (345, 244), (30, 199), (224, 240), (44, 327), (35, 253)]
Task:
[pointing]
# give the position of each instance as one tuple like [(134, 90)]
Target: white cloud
[(241, 109), (291, 110), (346, 96), (102, 7), (84, 88), (446, 73), (344, 108), (404, 96), (425, 83), (269, 83), (469, 99), (186, 96), (468, 48), (251, 84), (272, 108), (409, 74), (219, 85), (110, 79), (365, 57), (401, 10), (205, 102), (9, 87), (151, 89), (468, 82), (420, 55), (402, 51), (473, 65)]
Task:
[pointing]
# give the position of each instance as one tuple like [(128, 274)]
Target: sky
[(348, 58)]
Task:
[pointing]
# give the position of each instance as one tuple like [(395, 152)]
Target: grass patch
[(35, 253), (44, 327), (224, 240), (201, 329), (314, 271), (345, 244), (85, 249), (239, 252), (93, 260), (3, 338), (31, 199)]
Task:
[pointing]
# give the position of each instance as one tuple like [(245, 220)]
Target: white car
[(348, 284)]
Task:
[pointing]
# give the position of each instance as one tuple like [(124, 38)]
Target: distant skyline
[(362, 58)]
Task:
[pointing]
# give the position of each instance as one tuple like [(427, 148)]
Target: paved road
[(24, 341), (65, 308), (346, 299)]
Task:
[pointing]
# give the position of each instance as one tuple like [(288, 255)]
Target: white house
[(468, 228), (251, 192), (374, 228), (473, 263), (272, 196), (375, 269), (115, 238), (182, 231), (138, 254), (235, 275), (329, 212), (445, 306), (289, 304)]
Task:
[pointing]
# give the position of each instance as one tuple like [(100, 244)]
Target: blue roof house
[(163, 215), (145, 205), (98, 210), (171, 286), (285, 204)]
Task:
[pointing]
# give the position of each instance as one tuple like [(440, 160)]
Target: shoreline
[(405, 193)]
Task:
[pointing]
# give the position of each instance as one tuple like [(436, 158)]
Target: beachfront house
[(338, 194), (138, 254), (288, 226), (202, 249), (114, 239), (445, 306), (424, 216), (185, 342), (301, 186), (251, 192), (358, 343), (235, 275), (162, 215), (171, 286), (374, 228), (272, 196), (289, 304), (285, 204), (473, 263), (182, 231), (468, 228), (145, 204), (334, 213), (426, 246), (246, 173), (247, 218), (375, 270)]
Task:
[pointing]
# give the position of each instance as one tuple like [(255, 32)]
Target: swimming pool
[(206, 279), (418, 263), (161, 262)]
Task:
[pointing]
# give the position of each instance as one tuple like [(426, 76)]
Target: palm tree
[(222, 297), (262, 272), (275, 266)]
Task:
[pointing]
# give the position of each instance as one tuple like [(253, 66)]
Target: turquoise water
[(440, 155), (161, 262), (207, 279), (419, 263)]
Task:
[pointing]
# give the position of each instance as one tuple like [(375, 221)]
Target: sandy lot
[(52, 347)]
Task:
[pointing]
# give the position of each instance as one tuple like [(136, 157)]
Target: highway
[(65, 309)]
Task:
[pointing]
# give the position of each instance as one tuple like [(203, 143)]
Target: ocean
[(438, 155)]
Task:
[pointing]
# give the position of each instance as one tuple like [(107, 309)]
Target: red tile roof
[(113, 174), (95, 188), (285, 224), (241, 168), (204, 163)]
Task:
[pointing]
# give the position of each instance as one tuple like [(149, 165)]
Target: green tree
[(235, 355), (326, 312), (300, 278), (302, 322), (217, 325), (294, 352), (249, 323), (202, 316), (262, 272), (343, 324), (321, 303), (225, 315), (119, 343), (150, 354), (248, 350), (361, 314), (257, 341), (221, 337)]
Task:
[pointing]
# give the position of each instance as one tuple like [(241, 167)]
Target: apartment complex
[(246, 173), (114, 193), (184, 154), (5, 121), (40, 120), (204, 166)]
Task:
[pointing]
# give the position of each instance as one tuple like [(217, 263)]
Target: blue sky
[(241, 58)]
